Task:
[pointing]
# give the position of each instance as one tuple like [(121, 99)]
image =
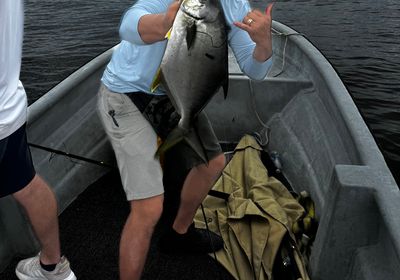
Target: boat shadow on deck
[(90, 229)]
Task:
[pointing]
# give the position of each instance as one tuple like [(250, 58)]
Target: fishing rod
[(69, 155), (213, 193)]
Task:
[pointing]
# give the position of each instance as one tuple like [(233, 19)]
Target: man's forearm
[(152, 28), (262, 53)]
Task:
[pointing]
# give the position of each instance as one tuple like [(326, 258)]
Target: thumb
[(268, 10), (172, 11), (174, 7)]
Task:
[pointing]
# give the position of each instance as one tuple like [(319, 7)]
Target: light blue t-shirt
[(132, 66)]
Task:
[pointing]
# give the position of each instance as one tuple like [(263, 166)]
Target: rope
[(209, 236), (287, 35)]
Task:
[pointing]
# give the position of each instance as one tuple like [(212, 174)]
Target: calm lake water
[(360, 38)]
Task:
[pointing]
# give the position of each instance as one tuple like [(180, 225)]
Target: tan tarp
[(256, 217)]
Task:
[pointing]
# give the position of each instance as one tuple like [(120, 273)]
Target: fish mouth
[(194, 9)]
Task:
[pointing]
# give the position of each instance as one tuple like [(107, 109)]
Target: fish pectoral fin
[(156, 81), (177, 135), (225, 83), (225, 88), (173, 138), (190, 35)]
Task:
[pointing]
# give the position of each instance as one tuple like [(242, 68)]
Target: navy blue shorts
[(16, 166)]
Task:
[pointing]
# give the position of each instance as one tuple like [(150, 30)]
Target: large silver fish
[(194, 65)]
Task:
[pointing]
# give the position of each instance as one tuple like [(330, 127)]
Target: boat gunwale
[(364, 140)]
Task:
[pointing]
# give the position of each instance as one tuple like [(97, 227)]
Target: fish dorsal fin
[(225, 87), (156, 81), (225, 82), (190, 35)]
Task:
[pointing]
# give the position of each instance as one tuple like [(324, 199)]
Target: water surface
[(360, 38)]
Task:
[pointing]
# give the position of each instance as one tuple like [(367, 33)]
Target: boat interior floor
[(90, 230)]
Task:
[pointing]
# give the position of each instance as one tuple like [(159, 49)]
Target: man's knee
[(36, 189), (149, 210), (28, 190), (218, 163)]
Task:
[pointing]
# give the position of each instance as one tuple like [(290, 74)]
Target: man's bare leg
[(40, 205), (136, 236), (195, 188)]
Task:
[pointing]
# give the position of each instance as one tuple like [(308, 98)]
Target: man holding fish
[(192, 66)]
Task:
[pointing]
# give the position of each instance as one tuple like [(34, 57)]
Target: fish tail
[(173, 138), (179, 134), (197, 146)]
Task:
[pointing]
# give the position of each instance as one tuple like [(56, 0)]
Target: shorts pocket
[(117, 103), (126, 118)]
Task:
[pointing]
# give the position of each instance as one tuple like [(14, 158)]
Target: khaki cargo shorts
[(132, 122)]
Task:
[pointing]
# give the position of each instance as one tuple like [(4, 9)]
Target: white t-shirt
[(13, 101)]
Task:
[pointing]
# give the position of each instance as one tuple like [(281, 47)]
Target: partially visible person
[(133, 117), (17, 174)]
